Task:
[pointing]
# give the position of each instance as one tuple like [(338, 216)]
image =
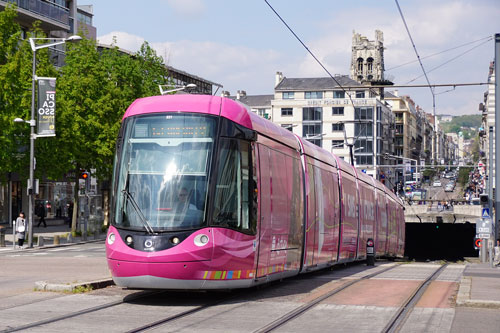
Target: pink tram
[(208, 195)]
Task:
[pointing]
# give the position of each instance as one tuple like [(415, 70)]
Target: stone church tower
[(367, 59)]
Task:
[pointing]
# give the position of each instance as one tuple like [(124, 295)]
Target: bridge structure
[(432, 213)]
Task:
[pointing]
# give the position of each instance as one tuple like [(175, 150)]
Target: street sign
[(483, 226), (477, 242), (485, 213), (483, 236)]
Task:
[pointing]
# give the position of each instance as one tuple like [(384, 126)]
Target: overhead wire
[(448, 61), (315, 58), (423, 70), (489, 38)]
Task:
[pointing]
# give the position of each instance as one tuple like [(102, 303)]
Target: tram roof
[(214, 105)]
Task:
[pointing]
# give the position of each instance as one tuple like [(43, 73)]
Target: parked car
[(449, 188), (437, 183)]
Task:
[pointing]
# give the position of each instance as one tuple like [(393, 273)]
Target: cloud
[(435, 26), (188, 8), (123, 40), (236, 67)]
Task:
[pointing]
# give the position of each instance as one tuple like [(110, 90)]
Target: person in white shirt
[(21, 229)]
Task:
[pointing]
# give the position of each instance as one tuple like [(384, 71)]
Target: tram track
[(181, 316), (399, 319), (306, 307), (394, 325), (83, 311)]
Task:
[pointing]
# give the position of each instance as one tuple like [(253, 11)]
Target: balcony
[(53, 16)]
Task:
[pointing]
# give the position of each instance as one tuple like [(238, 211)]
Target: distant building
[(57, 18), (446, 118), (259, 104), (325, 114), (367, 58)]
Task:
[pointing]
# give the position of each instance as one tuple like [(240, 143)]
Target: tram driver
[(186, 213)]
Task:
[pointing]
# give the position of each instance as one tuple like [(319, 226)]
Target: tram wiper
[(131, 199)]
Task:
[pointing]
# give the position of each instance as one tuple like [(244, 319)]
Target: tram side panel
[(401, 238), (280, 227), (382, 224), (349, 217), (322, 224), (367, 216), (393, 227)]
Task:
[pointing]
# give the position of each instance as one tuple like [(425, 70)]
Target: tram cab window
[(234, 198)]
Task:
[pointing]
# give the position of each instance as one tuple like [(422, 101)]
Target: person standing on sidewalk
[(21, 229), (496, 253), (40, 211)]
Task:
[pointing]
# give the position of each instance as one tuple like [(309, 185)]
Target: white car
[(449, 188), (436, 183)]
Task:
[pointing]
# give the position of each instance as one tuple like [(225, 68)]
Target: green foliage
[(467, 124), (463, 175), (94, 89)]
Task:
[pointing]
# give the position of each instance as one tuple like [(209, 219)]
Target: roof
[(255, 100), (316, 83), (169, 68)]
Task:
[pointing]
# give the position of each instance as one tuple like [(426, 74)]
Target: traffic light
[(85, 175), (483, 198)]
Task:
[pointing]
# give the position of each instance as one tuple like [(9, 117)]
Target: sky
[(242, 44)]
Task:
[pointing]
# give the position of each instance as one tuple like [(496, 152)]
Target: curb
[(71, 287), (49, 246), (464, 300)]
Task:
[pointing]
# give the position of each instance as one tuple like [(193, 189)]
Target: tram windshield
[(161, 179)]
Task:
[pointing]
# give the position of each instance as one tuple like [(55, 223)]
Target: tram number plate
[(369, 250), (484, 236)]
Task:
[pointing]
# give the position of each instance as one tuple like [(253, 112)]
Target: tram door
[(264, 224), (280, 200)]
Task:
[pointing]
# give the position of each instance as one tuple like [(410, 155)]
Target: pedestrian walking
[(20, 229), (40, 211)]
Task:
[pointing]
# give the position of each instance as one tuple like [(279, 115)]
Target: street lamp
[(164, 92), (32, 122)]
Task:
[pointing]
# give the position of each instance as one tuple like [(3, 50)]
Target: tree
[(94, 91), (15, 93)]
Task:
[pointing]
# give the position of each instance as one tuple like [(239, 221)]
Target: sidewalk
[(480, 286), (55, 227)]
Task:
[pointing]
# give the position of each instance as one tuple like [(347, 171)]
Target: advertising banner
[(46, 110)]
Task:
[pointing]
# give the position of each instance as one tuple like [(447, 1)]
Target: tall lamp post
[(32, 122)]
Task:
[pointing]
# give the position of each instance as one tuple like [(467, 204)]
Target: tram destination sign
[(46, 110)]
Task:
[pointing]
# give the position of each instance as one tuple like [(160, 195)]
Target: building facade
[(324, 113), (367, 58)]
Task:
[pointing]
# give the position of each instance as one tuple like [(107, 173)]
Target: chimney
[(279, 78), (243, 93), (238, 95), (396, 93), (225, 93)]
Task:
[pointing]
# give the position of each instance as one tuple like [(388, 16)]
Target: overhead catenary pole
[(497, 137)]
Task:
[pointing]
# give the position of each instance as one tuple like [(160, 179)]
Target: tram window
[(233, 199)]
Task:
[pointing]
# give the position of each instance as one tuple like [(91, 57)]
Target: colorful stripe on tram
[(241, 274)]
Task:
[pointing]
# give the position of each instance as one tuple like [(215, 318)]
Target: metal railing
[(43, 8)]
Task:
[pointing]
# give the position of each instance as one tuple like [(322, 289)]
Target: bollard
[(370, 252), (2, 236), (56, 239), (40, 241)]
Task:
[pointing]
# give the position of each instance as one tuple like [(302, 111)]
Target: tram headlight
[(201, 240), (129, 240), (175, 240), (111, 238)]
